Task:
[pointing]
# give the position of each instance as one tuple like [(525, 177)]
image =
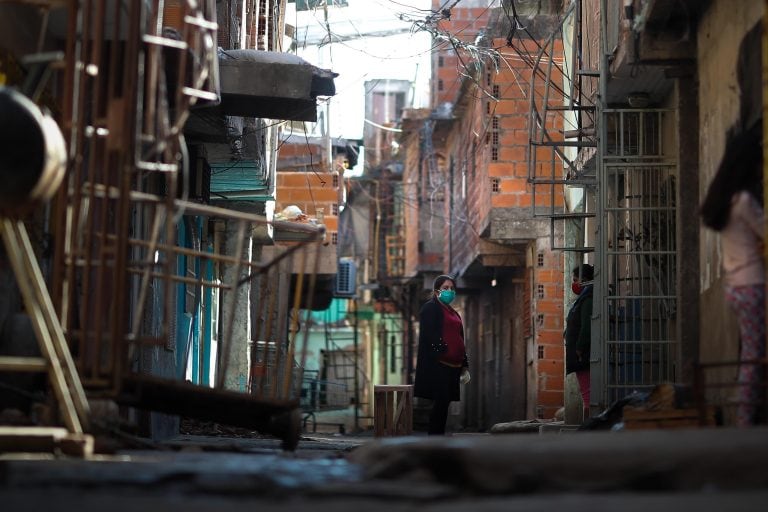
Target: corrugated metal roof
[(243, 180)]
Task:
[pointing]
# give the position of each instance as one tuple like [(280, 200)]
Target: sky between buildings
[(370, 42)]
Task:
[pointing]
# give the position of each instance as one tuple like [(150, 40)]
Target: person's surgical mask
[(576, 287), (446, 296)]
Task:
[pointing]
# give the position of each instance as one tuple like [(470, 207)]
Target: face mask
[(446, 296), (576, 288)]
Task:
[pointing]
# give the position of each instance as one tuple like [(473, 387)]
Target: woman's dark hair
[(439, 280), (585, 271), (740, 169)]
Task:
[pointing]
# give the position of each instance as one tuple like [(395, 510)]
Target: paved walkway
[(702, 470)]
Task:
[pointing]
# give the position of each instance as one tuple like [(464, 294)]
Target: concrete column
[(236, 309), (688, 232)]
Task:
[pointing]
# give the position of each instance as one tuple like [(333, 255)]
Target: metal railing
[(137, 265)]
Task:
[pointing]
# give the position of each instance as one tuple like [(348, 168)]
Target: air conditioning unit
[(346, 278)]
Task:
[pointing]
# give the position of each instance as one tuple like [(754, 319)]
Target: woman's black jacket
[(435, 380), (578, 332)]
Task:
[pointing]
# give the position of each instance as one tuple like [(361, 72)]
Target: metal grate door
[(636, 289)]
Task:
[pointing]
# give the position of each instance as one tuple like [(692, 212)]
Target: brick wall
[(410, 145), (311, 191), (495, 133), (486, 154), (548, 329), (465, 23)]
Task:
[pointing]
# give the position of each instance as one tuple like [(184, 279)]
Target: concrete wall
[(720, 32)]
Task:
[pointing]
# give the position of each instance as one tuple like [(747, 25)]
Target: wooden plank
[(270, 416), (398, 420), (385, 388), (390, 427), (408, 419), (23, 364), (379, 413), (642, 414), (77, 445), (45, 439), (635, 418), (30, 439)]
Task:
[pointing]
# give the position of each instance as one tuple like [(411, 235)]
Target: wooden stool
[(392, 410)]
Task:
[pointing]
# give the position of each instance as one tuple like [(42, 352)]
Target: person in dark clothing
[(578, 329), (441, 364)]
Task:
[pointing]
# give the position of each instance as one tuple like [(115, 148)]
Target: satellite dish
[(33, 154)]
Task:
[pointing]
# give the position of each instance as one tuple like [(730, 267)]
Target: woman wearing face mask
[(578, 329), (441, 364)]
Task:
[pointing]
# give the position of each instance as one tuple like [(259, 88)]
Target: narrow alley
[(433, 255)]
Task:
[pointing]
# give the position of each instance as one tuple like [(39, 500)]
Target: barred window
[(495, 138)]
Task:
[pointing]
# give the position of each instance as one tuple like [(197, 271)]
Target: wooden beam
[(23, 364), (45, 439)]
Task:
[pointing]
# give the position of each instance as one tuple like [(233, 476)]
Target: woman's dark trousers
[(438, 417)]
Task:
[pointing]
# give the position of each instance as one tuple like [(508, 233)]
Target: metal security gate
[(636, 290)]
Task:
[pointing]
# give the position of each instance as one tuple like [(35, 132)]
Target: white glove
[(465, 377)]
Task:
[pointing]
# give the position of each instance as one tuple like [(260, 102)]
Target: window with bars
[(495, 138)]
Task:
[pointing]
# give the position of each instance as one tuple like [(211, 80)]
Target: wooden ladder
[(56, 358)]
